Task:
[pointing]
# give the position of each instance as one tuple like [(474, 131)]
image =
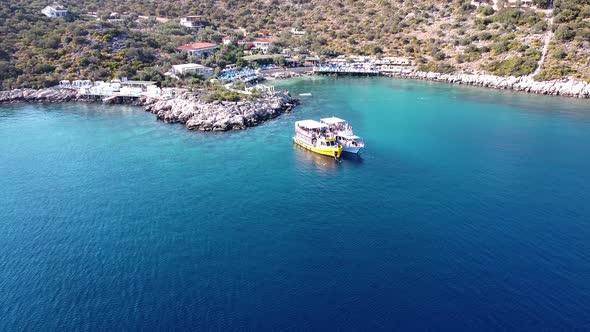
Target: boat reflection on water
[(312, 159)]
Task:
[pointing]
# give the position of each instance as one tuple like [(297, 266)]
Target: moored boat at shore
[(350, 142), (315, 136)]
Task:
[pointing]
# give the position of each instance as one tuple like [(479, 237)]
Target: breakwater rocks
[(567, 88), (220, 115), (49, 95)]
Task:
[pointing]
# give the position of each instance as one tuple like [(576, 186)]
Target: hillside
[(439, 35)]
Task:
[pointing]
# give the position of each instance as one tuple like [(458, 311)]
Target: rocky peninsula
[(184, 107), (220, 115)]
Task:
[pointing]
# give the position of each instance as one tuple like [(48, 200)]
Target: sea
[(469, 210)]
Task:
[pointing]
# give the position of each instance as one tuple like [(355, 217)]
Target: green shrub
[(564, 32), (486, 10), (560, 54), (500, 47), (520, 66), (437, 67), (554, 72)]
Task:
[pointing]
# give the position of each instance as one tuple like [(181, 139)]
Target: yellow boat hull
[(332, 151)]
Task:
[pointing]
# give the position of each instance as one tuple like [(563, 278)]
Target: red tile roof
[(195, 46)]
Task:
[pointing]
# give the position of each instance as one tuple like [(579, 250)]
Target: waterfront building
[(199, 50), (55, 10), (311, 60), (192, 68), (143, 85)]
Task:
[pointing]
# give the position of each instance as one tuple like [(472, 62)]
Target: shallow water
[(468, 211)]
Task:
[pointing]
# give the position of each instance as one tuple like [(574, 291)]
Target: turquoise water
[(468, 211)]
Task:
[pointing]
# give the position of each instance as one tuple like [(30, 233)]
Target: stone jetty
[(566, 87), (220, 115)]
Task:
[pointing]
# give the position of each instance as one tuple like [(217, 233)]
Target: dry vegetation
[(440, 35)]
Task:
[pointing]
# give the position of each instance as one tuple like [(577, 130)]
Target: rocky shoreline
[(565, 88), (49, 95), (184, 108), (220, 115)]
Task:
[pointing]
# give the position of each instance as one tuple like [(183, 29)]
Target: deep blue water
[(470, 210)]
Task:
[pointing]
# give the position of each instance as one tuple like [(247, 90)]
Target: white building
[(55, 10), (192, 22), (296, 32), (227, 40), (192, 68), (263, 44)]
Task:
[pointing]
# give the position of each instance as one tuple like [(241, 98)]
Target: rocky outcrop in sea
[(50, 95), (566, 87), (220, 115)]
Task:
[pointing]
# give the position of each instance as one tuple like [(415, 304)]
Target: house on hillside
[(226, 40), (296, 32), (263, 44), (55, 10), (199, 50), (192, 68), (195, 22)]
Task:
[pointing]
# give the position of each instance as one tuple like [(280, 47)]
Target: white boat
[(350, 142), (305, 94)]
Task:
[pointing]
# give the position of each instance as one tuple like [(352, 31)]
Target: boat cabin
[(337, 125), (350, 140), (315, 133)]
